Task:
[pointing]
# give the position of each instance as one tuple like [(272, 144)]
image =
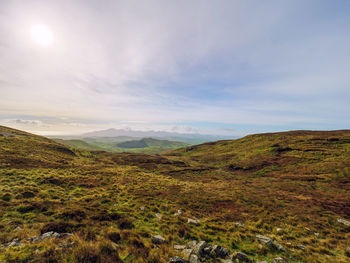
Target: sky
[(211, 67)]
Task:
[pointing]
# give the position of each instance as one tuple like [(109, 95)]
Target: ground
[(293, 187)]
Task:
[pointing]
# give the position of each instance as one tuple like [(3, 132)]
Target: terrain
[(123, 144), (62, 204)]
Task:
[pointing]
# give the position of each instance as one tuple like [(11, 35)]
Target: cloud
[(24, 122), (152, 63)]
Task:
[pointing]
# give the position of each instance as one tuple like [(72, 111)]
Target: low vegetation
[(60, 204)]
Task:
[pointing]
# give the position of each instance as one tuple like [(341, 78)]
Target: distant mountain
[(150, 142), (191, 138)]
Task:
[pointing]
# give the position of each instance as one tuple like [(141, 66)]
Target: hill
[(123, 144), (278, 196), (150, 142)]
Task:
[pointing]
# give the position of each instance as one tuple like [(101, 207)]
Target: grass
[(295, 181)]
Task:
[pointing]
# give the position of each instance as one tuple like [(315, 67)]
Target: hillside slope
[(292, 187)]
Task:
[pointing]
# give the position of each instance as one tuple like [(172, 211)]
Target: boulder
[(194, 259), (194, 221), (218, 252), (158, 239), (186, 253), (242, 257), (177, 259), (264, 240), (343, 221), (192, 243), (179, 247), (199, 248), (279, 260)]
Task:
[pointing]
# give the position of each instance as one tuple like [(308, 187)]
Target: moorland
[(274, 197)]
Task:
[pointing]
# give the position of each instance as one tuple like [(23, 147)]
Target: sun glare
[(41, 35)]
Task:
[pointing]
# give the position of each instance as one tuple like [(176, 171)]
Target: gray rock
[(192, 243), (194, 259), (301, 246), (158, 239), (14, 243), (194, 221), (179, 212), (219, 252), (179, 247), (242, 257), (279, 260), (239, 224), (269, 242), (264, 261), (177, 259), (264, 240), (199, 248), (207, 250), (159, 216), (343, 221), (142, 208), (278, 246), (186, 253)]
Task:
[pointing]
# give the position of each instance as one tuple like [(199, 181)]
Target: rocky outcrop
[(270, 242), (158, 239)]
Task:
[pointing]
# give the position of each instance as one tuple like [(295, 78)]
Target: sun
[(41, 35)]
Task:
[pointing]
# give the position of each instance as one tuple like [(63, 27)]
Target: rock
[(158, 239), (239, 224), (219, 252), (192, 243), (159, 216), (177, 259), (264, 240), (301, 246), (278, 229), (179, 212), (264, 261), (186, 253), (207, 250), (142, 208), (343, 221), (226, 261), (14, 243), (242, 257), (277, 245), (269, 242), (66, 245), (199, 248), (279, 260), (179, 247), (194, 259), (193, 221), (18, 228), (317, 234)]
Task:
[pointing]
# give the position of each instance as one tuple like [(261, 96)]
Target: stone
[(279, 260), (18, 228), (179, 212), (159, 216), (264, 240), (242, 257), (343, 221), (179, 247), (194, 259), (177, 259), (192, 243), (301, 246), (278, 229), (142, 208), (219, 252), (239, 224), (264, 261), (277, 245), (158, 239), (317, 234), (193, 221), (199, 248), (206, 250), (186, 253)]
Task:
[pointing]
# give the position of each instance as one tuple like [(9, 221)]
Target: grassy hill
[(123, 144), (292, 187)]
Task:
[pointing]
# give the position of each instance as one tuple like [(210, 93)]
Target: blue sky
[(216, 67)]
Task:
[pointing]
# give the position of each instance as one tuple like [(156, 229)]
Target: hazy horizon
[(211, 67)]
